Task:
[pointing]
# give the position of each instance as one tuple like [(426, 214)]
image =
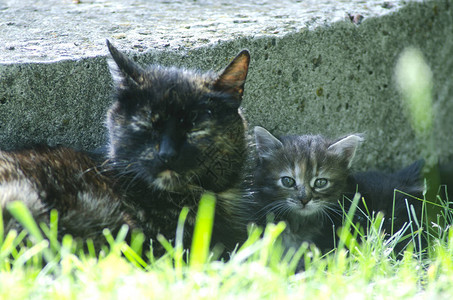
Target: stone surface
[(52, 30), (313, 69)]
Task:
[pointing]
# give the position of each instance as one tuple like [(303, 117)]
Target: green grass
[(258, 270)]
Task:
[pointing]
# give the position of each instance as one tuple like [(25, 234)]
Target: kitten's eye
[(320, 183), (288, 182)]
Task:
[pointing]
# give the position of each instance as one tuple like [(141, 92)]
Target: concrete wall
[(306, 76)]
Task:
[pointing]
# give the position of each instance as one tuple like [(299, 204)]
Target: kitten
[(173, 135), (302, 180)]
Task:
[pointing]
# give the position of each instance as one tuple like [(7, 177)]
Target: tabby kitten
[(302, 180), (173, 134)]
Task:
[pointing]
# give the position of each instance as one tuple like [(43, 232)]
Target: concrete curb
[(322, 77)]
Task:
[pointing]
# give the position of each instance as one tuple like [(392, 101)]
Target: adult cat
[(173, 135)]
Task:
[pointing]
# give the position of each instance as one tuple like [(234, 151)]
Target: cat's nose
[(302, 196), (304, 200), (167, 151), (167, 156)]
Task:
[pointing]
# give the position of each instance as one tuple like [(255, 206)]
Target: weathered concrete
[(313, 70)]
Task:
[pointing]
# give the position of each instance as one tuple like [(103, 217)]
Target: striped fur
[(304, 181)]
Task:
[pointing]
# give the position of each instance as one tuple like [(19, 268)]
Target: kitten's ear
[(346, 147), (124, 70), (232, 79), (266, 143)]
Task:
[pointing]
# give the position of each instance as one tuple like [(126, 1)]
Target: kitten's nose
[(303, 197), (304, 200)]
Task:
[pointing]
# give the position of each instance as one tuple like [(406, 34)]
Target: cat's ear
[(124, 71), (265, 142), (346, 147), (232, 79)]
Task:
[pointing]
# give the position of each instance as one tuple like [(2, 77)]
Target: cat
[(173, 135), (306, 181)]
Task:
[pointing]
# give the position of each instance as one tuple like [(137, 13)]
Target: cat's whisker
[(326, 214), (132, 181), (334, 209), (273, 207), (100, 168), (126, 173), (195, 176)]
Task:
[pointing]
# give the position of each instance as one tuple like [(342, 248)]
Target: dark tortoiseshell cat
[(173, 134), (175, 128), (303, 179)]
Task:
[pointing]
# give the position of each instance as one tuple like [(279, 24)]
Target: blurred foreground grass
[(39, 267), (415, 81)]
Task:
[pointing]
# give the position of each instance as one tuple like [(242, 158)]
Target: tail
[(411, 176)]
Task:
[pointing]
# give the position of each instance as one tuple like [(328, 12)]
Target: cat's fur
[(320, 183), (173, 135), (46, 178), (389, 193)]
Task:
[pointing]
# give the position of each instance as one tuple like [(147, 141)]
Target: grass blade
[(202, 232), (21, 213)]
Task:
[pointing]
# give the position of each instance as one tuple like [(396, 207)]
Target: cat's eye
[(288, 181), (194, 117), (181, 120), (320, 183), (156, 121), (155, 118), (189, 120)]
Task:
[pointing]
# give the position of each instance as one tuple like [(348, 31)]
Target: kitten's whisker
[(285, 209), (274, 207), (325, 213), (334, 210)]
